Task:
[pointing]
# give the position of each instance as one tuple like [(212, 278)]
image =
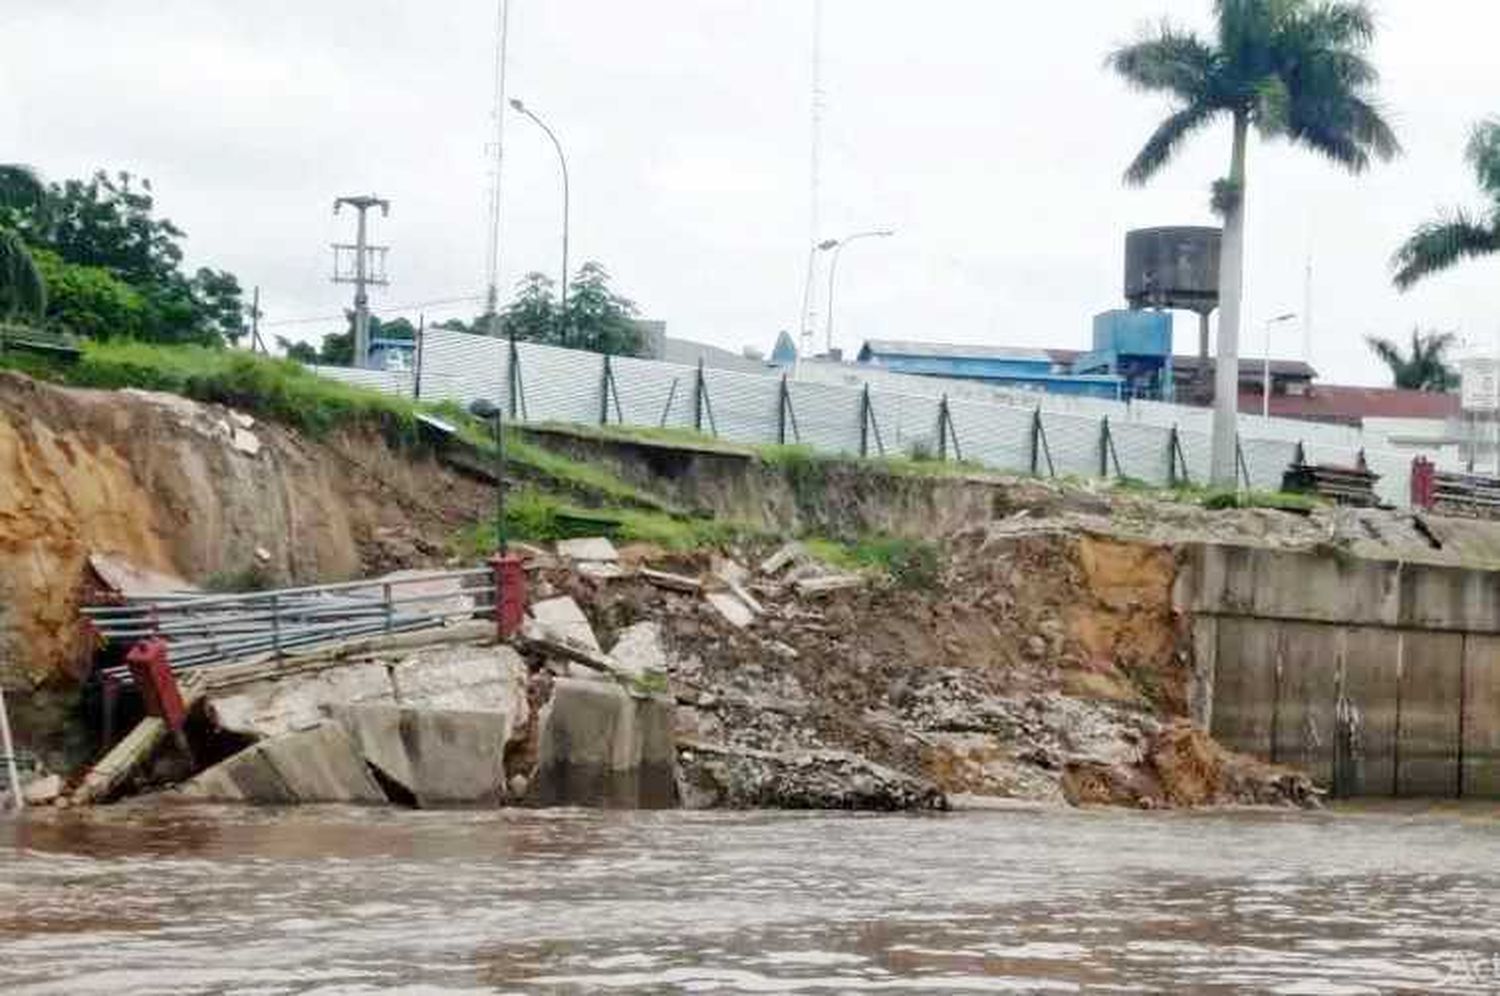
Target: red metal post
[(1423, 482), (510, 593), (153, 675)]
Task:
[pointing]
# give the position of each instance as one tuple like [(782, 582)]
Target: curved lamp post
[(833, 269), (1265, 384), (563, 162)]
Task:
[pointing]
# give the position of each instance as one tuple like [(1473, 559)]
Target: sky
[(988, 135)]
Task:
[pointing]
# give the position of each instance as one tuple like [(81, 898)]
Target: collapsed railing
[(203, 629)]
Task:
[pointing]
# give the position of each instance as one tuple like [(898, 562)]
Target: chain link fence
[(844, 411)]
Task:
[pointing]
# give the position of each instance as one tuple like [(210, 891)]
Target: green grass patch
[(910, 563)]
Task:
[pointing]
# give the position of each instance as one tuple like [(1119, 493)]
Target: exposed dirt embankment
[(192, 490)]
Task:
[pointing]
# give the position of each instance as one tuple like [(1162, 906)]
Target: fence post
[(1104, 447), (275, 625), (1172, 458), (416, 374), (864, 421), (1239, 456), (943, 429), (605, 380), (698, 389), (671, 397), (390, 609), (781, 401)]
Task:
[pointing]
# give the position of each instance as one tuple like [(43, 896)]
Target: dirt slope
[(160, 481)]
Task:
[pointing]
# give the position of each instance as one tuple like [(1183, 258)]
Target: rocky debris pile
[(1046, 667)]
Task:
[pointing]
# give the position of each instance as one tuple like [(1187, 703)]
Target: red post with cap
[(510, 593), (154, 677), (1423, 482)]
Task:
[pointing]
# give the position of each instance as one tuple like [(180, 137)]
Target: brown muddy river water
[(172, 900)]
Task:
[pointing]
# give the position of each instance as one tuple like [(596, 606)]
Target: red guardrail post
[(153, 675), (510, 593), (1423, 482)]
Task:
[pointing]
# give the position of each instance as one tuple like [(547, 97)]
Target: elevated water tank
[(1173, 268)]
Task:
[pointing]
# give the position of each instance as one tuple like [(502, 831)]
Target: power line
[(312, 319)]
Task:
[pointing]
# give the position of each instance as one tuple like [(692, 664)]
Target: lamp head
[(483, 408)]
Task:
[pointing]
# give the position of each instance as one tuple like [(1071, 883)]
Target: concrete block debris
[(560, 618), (595, 548), (786, 556), (734, 611), (672, 582)]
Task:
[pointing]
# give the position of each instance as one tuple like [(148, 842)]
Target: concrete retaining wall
[(1380, 678), (601, 746)]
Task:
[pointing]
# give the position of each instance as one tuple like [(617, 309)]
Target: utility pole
[(257, 344), (368, 269), (815, 186), (492, 295)]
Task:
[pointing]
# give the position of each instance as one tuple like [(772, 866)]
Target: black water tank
[(1173, 268)]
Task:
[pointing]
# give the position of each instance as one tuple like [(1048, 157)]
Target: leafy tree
[(109, 222), (302, 352), (90, 300), (23, 290), (1425, 367), (533, 315), (1458, 235), (598, 319), (1294, 69)]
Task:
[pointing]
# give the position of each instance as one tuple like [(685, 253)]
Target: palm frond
[(1483, 153), (1388, 352), (1440, 244), (1166, 140), (1170, 61), (1337, 24)]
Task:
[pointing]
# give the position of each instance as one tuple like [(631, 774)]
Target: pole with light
[(804, 345), (1265, 384), (563, 162), (508, 571), (833, 269)]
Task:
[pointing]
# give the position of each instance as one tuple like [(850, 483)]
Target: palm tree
[(1295, 69), (22, 290), (1459, 235), (1425, 368)]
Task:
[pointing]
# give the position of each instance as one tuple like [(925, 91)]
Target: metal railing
[(205, 629)]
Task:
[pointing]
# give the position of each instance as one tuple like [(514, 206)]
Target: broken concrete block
[(672, 582), (601, 570), (317, 765), (639, 650), (563, 619), (738, 590), (829, 583), (246, 442), (603, 747), (241, 419), (463, 678), (42, 791), (437, 756), (595, 548), (790, 553), (730, 571), (279, 705), (734, 611)]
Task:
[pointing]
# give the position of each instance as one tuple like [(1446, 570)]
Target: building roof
[(689, 353), (1250, 367), (1337, 403), (950, 351)]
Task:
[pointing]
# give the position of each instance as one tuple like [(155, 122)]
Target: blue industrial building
[(1002, 366)]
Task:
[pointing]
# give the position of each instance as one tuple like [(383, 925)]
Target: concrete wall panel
[(1431, 690), (1245, 685), (1481, 740), (1371, 687), (1306, 695)]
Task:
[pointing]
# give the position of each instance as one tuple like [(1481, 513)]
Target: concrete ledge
[(440, 757), (317, 765), (602, 747)]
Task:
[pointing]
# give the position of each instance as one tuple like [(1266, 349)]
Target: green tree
[(109, 221), (1439, 244), (598, 319), (23, 290), (1293, 69), (302, 352), (90, 300), (533, 315), (1425, 367)]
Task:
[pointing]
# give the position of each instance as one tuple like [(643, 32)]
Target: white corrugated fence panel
[(560, 385), (385, 381), (652, 393), (743, 406), (827, 416), (460, 367), (1144, 451), (1073, 442), (997, 436), (1266, 462), (908, 422)]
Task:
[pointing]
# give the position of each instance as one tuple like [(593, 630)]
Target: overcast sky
[(991, 140)]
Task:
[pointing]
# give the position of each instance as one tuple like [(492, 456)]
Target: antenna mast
[(815, 183), (492, 294)]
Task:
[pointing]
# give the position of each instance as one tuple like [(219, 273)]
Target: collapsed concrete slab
[(464, 677), (603, 747), (639, 651), (595, 548), (437, 757), (322, 764), (561, 618)]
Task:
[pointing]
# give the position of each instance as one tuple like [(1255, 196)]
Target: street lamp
[(1265, 384), (833, 269), (563, 162), (807, 333), (488, 411)]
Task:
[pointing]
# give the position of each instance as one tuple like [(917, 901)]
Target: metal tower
[(362, 265)]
